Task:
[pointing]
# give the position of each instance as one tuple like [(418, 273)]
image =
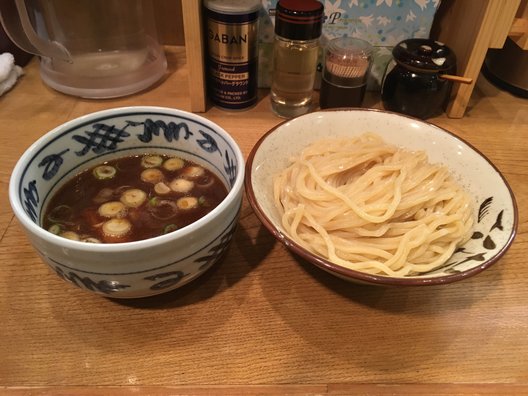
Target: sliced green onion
[(60, 214), (154, 201), (112, 209), (105, 194), (117, 227), (164, 209), (70, 235), (173, 164), (187, 203), (170, 228), (152, 175), (103, 172), (193, 171), (90, 240), (151, 161), (133, 197), (161, 188), (55, 229), (181, 185), (205, 182)]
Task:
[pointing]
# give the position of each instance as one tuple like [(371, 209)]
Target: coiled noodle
[(373, 207)]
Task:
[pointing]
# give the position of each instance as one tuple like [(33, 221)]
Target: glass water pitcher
[(89, 48)]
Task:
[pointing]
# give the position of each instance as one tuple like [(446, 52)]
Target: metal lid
[(233, 7), (424, 54), (299, 19)]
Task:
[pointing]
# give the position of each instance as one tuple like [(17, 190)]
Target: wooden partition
[(519, 28), (169, 19), (470, 28), (180, 23)]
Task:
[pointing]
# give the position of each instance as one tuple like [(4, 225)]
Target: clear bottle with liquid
[(295, 53)]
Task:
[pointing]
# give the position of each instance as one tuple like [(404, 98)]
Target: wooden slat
[(264, 390), (468, 28), (519, 28), (203, 390), (169, 20), (194, 48), (503, 22)]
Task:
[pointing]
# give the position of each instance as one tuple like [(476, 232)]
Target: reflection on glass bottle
[(294, 67), (295, 54)]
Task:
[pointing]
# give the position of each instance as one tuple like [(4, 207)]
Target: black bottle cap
[(299, 19)]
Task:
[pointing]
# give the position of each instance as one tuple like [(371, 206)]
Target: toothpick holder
[(347, 63)]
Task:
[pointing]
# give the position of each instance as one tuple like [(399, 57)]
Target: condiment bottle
[(298, 25), (413, 82), (346, 66), (232, 52)]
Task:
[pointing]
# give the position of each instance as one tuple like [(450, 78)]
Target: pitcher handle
[(32, 42)]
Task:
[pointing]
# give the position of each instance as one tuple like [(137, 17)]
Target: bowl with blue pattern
[(140, 268)]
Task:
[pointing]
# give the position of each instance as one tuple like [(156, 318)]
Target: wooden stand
[(519, 28), (470, 28), (194, 48)]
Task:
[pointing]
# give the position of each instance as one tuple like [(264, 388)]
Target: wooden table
[(261, 321)]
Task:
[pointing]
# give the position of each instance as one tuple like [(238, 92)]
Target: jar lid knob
[(425, 49), (426, 55)]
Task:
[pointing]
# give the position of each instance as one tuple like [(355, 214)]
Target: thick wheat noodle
[(370, 206)]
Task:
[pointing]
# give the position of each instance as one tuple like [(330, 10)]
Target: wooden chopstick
[(459, 79)]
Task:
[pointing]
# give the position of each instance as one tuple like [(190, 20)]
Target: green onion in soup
[(103, 172), (133, 198)]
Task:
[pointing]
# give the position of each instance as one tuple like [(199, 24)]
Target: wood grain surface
[(262, 321)]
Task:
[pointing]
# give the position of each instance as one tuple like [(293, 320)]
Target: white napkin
[(9, 72)]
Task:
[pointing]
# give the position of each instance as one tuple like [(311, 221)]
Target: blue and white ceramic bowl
[(132, 269)]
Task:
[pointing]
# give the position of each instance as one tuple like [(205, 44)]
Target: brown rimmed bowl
[(495, 207)]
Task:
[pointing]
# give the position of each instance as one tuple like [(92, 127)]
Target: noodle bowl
[(373, 207)]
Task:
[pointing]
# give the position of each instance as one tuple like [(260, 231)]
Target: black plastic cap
[(299, 19)]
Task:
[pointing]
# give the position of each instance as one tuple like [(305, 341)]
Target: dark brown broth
[(79, 213)]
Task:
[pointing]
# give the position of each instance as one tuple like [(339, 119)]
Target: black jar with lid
[(413, 84)]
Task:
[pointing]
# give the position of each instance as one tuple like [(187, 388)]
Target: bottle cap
[(425, 55), (233, 7), (299, 19)]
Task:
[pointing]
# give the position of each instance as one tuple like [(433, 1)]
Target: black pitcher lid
[(299, 19), (424, 54)]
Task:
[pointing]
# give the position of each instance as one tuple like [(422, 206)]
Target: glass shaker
[(298, 26), (346, 66), (413, 83)]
